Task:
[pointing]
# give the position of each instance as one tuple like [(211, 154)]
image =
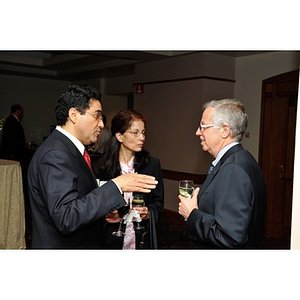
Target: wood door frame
[(280, 86)]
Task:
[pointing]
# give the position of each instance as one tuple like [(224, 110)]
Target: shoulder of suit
[(153, 158)]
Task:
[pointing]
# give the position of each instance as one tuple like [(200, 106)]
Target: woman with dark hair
[(124, 153)]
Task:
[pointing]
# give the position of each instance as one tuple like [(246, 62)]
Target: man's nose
[(101, 124)]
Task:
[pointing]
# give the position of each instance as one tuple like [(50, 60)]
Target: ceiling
[(77, 65)]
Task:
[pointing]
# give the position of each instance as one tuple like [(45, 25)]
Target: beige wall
[(173, 111), (174, 92), (173, 108), (250, 72), (113, 95)]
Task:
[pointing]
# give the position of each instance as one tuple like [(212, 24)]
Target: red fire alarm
[(139, 88)]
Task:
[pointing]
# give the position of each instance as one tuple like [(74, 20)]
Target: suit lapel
[(66, 141), (209, 178), (76, 153), (216, 169)]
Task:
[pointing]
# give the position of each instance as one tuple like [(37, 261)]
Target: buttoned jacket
[(67, 205)]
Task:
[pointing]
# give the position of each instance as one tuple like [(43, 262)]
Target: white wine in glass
[(138, 200), (186, 188)]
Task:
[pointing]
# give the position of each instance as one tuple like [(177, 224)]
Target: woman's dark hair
[(77, 97), (108, 166)]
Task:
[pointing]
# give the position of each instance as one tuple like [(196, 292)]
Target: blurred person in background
[(13, 137), (98, 147)]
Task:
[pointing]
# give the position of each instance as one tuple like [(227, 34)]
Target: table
[(12, 207)]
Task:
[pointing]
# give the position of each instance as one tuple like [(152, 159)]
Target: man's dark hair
[(74, 97), (15, 107)]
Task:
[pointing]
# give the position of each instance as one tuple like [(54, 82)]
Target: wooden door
[(276, 151)]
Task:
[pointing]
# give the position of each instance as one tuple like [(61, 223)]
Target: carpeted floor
[(171, 231), (172, 235)]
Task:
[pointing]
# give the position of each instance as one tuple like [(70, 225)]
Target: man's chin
[(94, 140), (205, 149)]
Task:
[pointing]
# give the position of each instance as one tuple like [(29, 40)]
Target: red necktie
[(87, 158)]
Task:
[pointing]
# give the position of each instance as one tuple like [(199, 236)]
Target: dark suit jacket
[(155, 199), (67, 205), (13, 139), (232, 204)]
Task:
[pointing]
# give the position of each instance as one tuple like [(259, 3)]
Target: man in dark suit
[(229, 210), (67, 205), (13, 137)]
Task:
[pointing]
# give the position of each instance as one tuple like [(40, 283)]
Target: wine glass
[(138, 201), (122, 211), (186, 188)]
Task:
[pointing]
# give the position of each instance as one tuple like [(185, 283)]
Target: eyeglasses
[(137, 133), (97, 115), (203, 127)]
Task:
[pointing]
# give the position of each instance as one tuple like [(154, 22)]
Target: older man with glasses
[(229, 209)]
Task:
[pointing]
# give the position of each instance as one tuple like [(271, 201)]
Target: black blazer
[(153, 200), (13, 139), (67, 205), (231, 204)]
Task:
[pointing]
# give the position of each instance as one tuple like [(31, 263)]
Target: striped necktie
[(87, 158)]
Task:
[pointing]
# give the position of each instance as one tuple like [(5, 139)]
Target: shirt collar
[(73, 139), (127, 168), (16, 117), (223, 151)]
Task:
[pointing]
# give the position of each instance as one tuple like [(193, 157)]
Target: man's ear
[(73, 112), (225, 131)]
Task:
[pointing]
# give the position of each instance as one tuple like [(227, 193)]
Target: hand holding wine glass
[(137, 202), (113, 217), (186, 188)]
